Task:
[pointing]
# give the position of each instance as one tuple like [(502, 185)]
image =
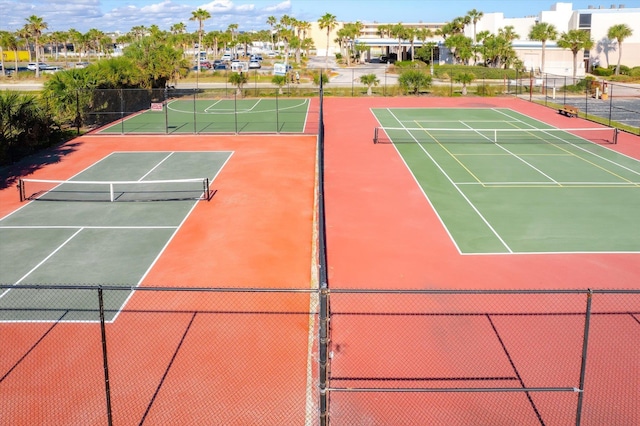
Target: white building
[(595, 19)]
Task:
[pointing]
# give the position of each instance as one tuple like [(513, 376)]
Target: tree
[(4, 44), (279, 80), (460, 46), (464, 78), (399, 31), (238, 79), (619, 32), (199, 15), (271, 21), (575, 41), (411, 81), (543, 31), (157, 62), (474, 16), (369, 80), (328, 22), (34, 26), (10, 42)]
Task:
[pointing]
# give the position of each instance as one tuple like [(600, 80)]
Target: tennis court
[(502, 182), (216, 115), (106, 225)]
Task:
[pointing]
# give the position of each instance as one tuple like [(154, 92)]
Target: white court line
[(486, 222), (43, 261), (511, 153), (156, 166), (82, 227)]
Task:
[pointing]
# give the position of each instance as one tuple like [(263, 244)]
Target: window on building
[(585, 20)]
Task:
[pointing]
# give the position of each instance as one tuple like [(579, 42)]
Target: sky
[(122, 15)]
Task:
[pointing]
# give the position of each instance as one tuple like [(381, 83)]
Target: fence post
[(610, 102), (122, 105), (104, 357), (583, 364), (78, 111), (195, 115)]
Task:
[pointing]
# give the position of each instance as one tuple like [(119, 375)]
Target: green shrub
[(635, 72), (480, 72), (624, 70), (489, 90), (602, 72), (412, 81), (410, 65)]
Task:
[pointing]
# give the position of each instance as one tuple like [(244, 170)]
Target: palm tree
[(474, 16), (543, 31), (575, 41), (238, 80), (369, 80), (4, 44), (199, 15), (399, 31), (328, 22), (271, 21), (35, 25), (619, 32), (465, 78)]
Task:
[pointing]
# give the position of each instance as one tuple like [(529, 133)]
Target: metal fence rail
[(251, 356)]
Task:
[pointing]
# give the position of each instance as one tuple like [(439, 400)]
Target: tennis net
[(600, 135), (112, 191)]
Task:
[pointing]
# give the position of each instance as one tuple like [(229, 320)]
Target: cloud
[(122, 15)]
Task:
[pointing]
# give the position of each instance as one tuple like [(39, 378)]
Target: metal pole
[(195, 115), (104, 357), (610, 102), (583, 364), (121, 111), (165, 105)]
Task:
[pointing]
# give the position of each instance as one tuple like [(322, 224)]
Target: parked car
[(254, 64), (220, 66), (227, 57), (81, 64), (271, 54), (52, 70), (31, 66)]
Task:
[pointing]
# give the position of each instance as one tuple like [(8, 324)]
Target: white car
[(254, 65), (40, 65), (52, 70)]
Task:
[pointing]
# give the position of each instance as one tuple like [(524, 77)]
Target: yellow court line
[(577, 156), (451, 154)]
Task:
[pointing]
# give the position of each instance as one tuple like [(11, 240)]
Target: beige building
[(595, 19)]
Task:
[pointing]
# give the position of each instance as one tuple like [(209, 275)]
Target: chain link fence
[(251, 356), (609, 103)]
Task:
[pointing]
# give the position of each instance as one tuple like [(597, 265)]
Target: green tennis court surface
[(502, 182), (217, 116), (99, 242)]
